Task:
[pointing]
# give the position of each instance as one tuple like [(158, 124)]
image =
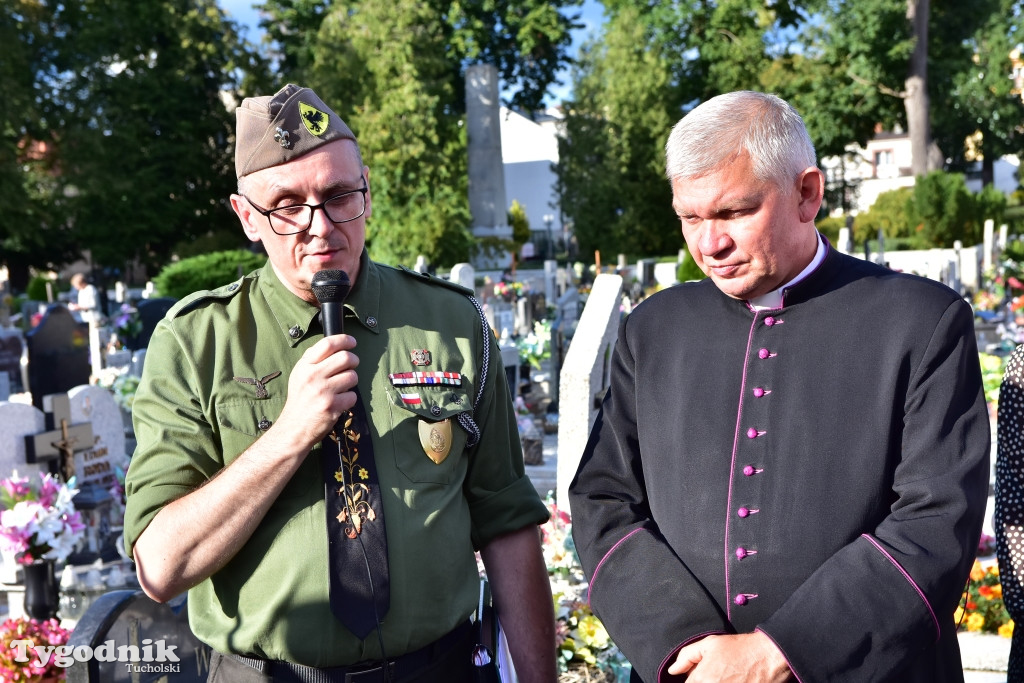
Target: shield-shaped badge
[(436, 439)]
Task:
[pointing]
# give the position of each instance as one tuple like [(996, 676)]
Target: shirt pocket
[(241, 423), (431, 406)]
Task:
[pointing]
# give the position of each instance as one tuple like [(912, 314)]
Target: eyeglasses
[(296, 218)]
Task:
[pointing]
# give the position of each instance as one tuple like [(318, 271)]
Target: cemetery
[(67, 382), (65, 427)]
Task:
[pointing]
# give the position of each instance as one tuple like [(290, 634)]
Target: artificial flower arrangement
[(45, 633), (121, 383), (581, 640), (38, 519), (536, 346), (509, 291), (982, 607)]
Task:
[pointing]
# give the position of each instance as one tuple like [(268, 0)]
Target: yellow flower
[(593, 633), (1006, 630), (993, 570), (975, 622), (977, 573), (363, 474), (997, 591), (339, 476), (958, 614)]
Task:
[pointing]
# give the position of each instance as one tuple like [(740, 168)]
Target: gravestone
[(58, 354), (551, 289), (151, 311), (97, 464), (61, 440), (13, 359), (504, 318), (584, 377), (988, 252), (463, 274), (523, 316), (18, 420), (131, 620)]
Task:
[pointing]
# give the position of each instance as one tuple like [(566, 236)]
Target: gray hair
[(765, 127)]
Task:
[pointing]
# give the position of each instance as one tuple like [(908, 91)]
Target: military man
[(321, 497)]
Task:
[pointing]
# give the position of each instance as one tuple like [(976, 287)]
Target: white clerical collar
[(773, 299)]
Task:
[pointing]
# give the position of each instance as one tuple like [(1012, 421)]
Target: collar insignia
[(260, 384)]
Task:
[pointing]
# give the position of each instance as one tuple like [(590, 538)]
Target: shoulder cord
[(466, 417)]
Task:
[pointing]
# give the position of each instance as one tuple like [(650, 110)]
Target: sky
[(591, 17)]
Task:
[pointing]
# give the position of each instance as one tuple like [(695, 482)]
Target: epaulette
[(195, 298), (438, 281)]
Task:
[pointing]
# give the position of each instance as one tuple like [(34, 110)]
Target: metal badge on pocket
[(436, 439)]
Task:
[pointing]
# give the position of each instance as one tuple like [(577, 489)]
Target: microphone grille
[(330, 286)]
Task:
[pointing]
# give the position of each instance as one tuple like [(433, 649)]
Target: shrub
[(36, 289), (689, 270), (207, 271)]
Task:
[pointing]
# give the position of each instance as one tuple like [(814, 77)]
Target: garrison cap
[(270, 131)]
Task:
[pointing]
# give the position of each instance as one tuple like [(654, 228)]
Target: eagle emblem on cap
[(313, 119)]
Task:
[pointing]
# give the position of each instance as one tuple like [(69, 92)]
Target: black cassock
[(818, 472)]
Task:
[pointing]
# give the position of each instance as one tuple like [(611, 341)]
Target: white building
[(885, 165), (529, 152)]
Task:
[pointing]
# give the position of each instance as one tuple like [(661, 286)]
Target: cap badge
[(281, 135), (313, 119), (420, 357)]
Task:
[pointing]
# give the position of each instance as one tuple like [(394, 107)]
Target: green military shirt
[(192, 418)]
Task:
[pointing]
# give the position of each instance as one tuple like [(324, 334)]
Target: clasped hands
[(745, 657)]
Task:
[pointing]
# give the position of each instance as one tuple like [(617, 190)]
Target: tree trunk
[(925, 155)]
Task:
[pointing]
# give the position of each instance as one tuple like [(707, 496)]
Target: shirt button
[(435, 410), (371, 321), (741, 553), (769, 321), (264, 424), (758, 392), (295, 332), (752, 433), (748, 471), (763, 353), (740, 599), (743, 512), (233, 287)]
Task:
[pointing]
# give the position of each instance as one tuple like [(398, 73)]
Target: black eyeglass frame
[(312, 213)]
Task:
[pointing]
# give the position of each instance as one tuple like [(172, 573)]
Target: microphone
[(330, 287)]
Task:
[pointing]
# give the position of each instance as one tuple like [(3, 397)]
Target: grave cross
[(61, 439)]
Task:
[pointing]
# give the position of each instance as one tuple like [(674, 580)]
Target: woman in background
[(1009, 514)]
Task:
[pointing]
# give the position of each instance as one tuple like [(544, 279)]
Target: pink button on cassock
[(769, 321), (763, 353), (758, 392)]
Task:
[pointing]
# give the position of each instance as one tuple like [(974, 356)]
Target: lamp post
[(548, 220)]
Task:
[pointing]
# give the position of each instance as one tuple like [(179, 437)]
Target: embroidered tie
[(356, 541)]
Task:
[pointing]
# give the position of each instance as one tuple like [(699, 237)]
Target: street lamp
[(548, 220)]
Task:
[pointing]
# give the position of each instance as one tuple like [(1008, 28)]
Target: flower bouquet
[(38, 520), (15, 668)]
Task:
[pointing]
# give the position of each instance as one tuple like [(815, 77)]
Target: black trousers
[(453, 665)]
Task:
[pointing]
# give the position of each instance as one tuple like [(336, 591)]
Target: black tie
[(356, 541)]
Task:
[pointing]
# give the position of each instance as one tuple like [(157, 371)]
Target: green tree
[(654, 62), (31, 232), (520, 224), (890, 213), (945, 210), (394, 72), (146, 128)]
